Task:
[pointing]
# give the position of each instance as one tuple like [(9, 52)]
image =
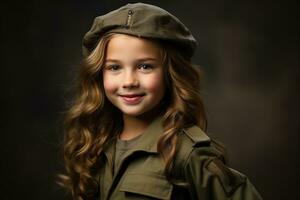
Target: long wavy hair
[(89, 125)]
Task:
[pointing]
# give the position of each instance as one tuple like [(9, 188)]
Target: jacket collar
[(149, 139)]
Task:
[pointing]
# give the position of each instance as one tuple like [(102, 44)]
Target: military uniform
[(199, 162)]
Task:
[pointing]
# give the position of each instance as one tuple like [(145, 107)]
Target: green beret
[(141, 20)]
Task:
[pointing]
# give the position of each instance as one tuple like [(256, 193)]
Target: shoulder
[(204, 165), (194, 141), (195, 146)]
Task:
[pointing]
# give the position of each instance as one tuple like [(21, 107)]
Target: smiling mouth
[(132, 99)]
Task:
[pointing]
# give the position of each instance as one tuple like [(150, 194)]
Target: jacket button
[(130, 12)]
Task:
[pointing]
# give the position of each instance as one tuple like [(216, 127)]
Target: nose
[(130, 79)]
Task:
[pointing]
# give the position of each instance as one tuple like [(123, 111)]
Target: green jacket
[(199, 161)]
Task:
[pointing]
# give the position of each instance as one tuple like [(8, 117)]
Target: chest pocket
[(146, 186)]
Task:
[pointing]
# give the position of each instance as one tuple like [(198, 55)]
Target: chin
[(133, 113)]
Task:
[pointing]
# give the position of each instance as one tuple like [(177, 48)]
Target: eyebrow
[(138, 60)]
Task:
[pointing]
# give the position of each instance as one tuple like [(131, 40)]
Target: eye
[(112, 67), (145, 67)]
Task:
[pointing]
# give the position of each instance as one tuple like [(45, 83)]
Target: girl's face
[(133, 75)]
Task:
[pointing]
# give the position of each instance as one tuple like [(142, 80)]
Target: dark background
[(248, 50)]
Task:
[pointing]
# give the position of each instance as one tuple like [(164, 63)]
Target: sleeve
[(209, 178)]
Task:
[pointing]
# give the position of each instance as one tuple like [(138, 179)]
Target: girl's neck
[(133, 127), (136, 125)]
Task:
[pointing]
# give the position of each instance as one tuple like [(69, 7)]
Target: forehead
[(122, 45)]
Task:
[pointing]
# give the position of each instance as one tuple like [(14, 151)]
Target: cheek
[(155, 84), (109, 85)]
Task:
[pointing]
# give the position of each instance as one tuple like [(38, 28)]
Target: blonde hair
[(88, 124)]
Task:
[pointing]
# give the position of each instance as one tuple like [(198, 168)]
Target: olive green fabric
[(199, 162), (142, 20), (122, 146)]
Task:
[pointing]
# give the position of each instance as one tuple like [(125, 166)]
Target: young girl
[(135, 129)]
